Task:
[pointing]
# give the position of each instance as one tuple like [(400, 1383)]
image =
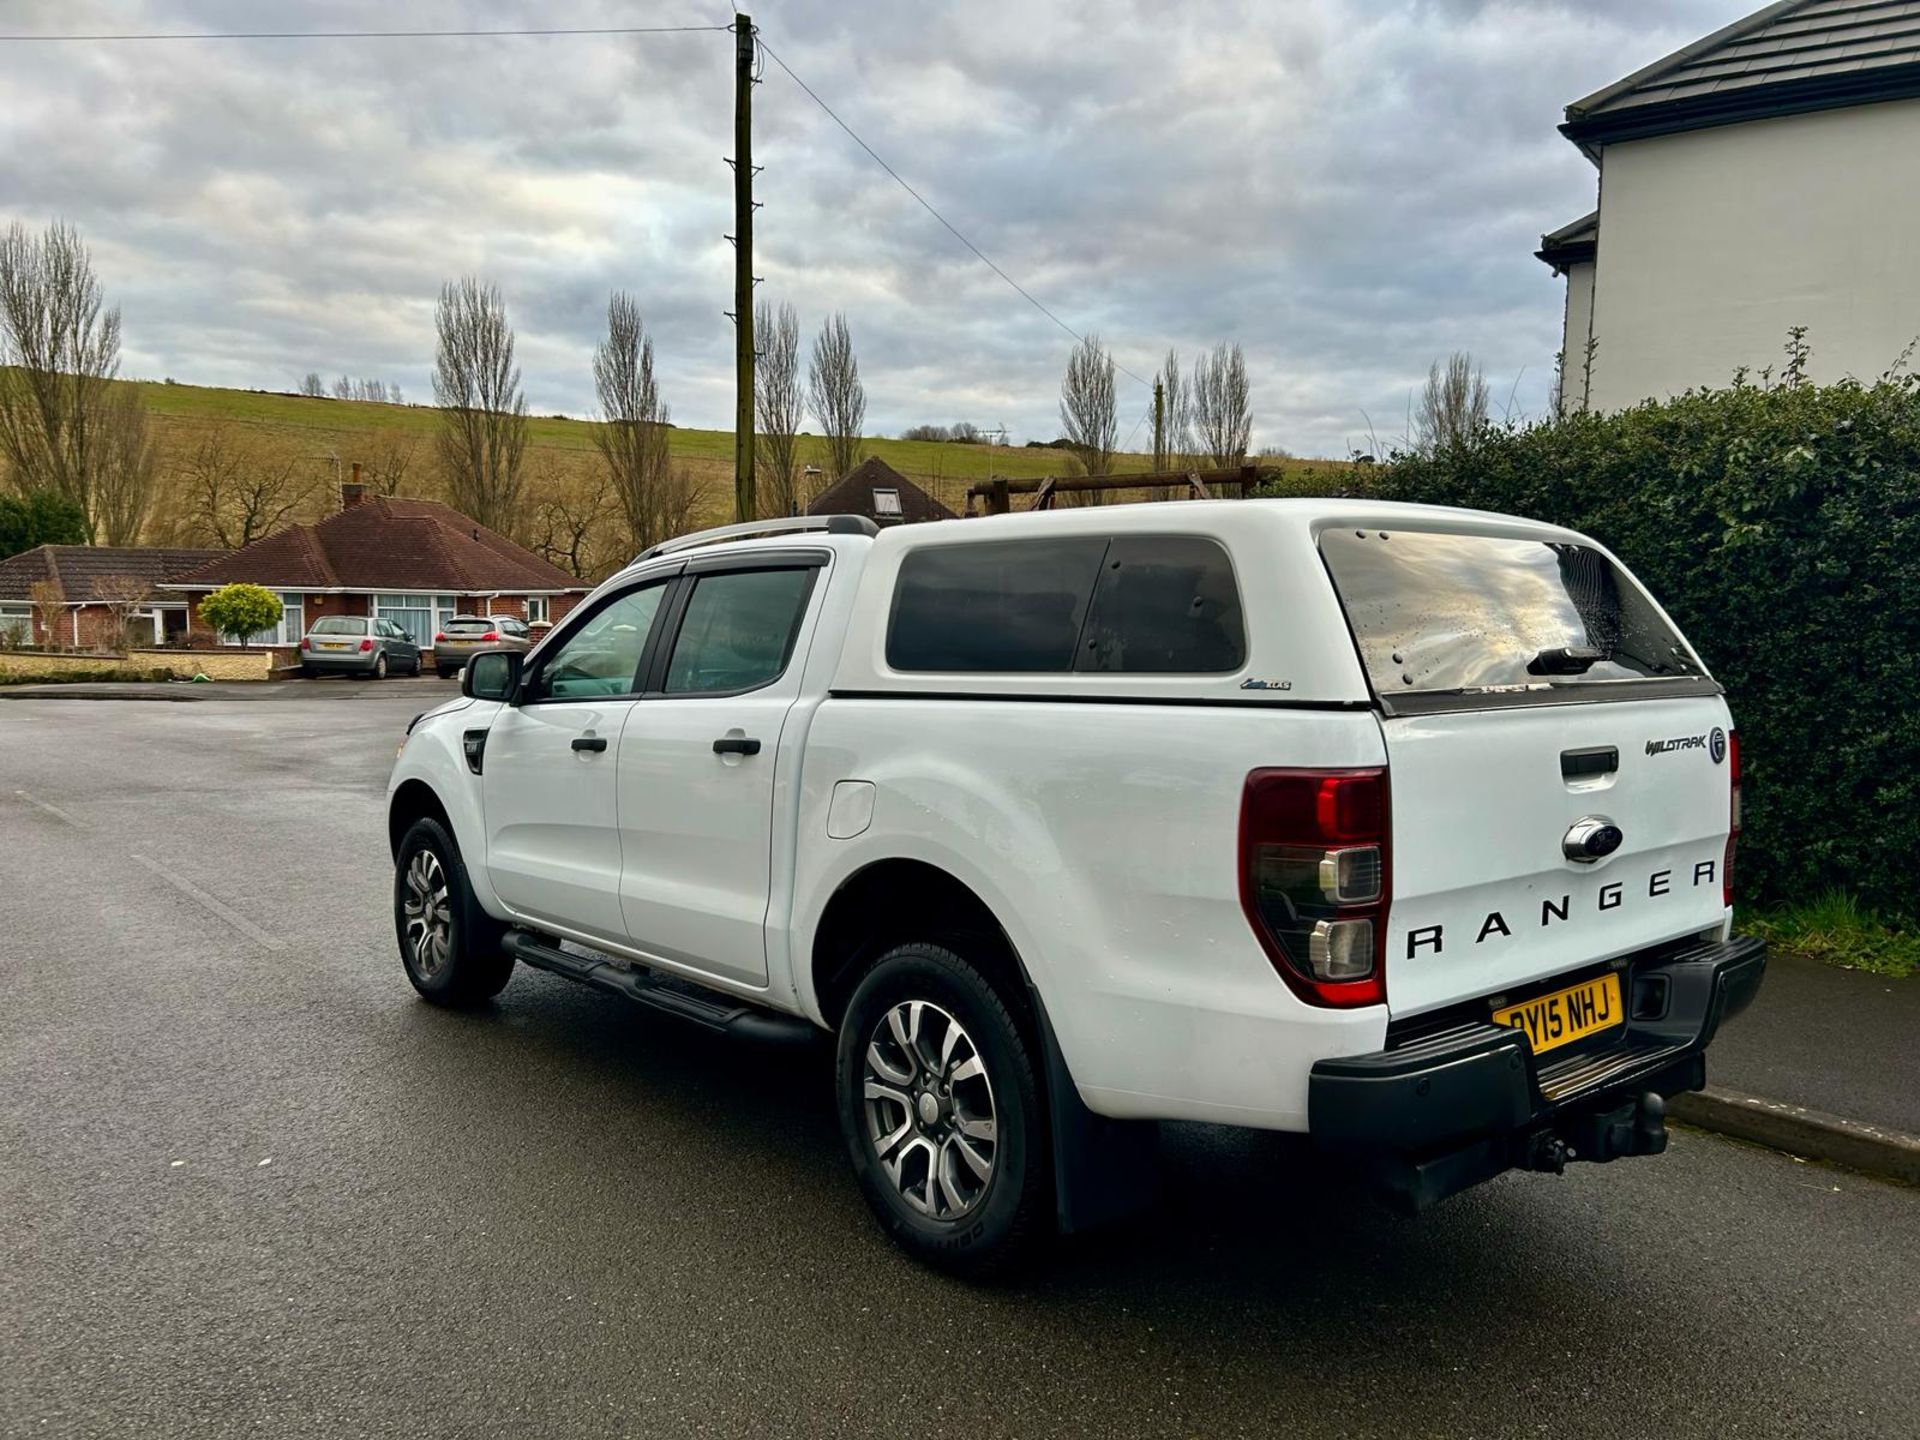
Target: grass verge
[(1837, 930)]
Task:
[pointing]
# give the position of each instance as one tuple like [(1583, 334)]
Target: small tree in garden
[(49, 608), (122, 595), (240, 611)]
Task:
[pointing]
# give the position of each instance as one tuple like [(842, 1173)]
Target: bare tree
[(237, 492), (1221, 408), (370, 391), (123, 482), (1453, 408), (836, 396), (389, 458), (122, 595), (49, 601), (1087, 406), (570, 530), (1176, 448), (777, 405), (632, 439), (483, 434), (59, 352), (312, 386)]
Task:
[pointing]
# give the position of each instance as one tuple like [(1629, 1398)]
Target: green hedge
[(1781, 527)]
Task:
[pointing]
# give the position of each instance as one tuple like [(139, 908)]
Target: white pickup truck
[(1408, 828)]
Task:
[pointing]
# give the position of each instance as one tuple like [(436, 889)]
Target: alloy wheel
[(929, 1108), (428, 909)]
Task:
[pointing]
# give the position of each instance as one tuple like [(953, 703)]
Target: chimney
[(352, 492)]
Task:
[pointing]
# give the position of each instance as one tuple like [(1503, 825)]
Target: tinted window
[(1165, 605), (339, 625), (602, 657), (468, 625), (1008, 606), (738, 630), (1473, 612)]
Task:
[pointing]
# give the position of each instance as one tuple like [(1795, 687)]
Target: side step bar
[(707, 1008)]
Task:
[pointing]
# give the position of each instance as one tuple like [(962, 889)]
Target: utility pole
[(745, 506), (1159, 425)]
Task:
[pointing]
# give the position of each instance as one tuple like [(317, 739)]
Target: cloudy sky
[(1346, 187)]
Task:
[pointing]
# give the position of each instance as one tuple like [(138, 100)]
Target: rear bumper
[(1446, 1109), (352, 662)]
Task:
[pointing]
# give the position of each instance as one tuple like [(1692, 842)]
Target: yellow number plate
[(1565, 1016)]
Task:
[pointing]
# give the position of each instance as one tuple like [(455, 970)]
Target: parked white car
[(1408, 828)]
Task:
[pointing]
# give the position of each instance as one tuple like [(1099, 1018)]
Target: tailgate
[(1559, 761), (1486, 806)]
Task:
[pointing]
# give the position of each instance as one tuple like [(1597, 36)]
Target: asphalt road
[(249, 1185)]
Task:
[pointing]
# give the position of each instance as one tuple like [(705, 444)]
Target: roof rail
[(831, 524)]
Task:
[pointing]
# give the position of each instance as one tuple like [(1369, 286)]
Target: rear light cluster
[(305, 643), (365, 645), (439, 637), (1315, 879), (1733, 817), (491, 635)]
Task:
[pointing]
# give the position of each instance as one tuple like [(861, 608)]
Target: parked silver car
[(356, 645), (465, 636)]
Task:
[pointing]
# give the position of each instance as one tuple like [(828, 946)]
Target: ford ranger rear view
[(1410, 829)]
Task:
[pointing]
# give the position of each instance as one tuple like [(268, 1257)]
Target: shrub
[(240, 610), (39, 517), (1780, 527)]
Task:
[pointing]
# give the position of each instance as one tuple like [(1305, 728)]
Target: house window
[(16, 624), (293, 622), (886, 504), (537, 610), (421, 616)]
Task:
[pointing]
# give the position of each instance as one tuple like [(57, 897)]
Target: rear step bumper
[(1449, 1109), (707, 1008)]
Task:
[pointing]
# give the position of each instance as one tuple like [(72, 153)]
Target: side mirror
[(492, 675)]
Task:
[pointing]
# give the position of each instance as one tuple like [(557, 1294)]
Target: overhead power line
[(371, 34), (927, 205)]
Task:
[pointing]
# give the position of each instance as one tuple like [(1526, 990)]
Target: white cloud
[(1346, 188)]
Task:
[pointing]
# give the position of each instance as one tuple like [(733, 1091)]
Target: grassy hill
[(561, 459)]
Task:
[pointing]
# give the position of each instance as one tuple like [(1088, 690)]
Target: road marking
[(207, 902), (53, 810)]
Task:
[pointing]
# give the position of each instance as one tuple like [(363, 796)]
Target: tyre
[(444, 673), (307, 672), (380, 666), (448, 944), (940, 1108)]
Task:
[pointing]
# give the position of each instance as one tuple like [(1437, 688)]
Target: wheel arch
[(891, 901), (413, 800)]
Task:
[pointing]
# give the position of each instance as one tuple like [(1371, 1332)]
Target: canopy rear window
[(1440, 613)]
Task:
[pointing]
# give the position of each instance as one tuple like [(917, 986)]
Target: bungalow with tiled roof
[(414, 562), (84, 574)]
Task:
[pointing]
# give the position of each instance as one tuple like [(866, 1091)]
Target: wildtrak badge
[(1714, 743)]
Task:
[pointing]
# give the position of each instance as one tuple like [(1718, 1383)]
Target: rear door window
[(738, 631), (1438, 612)]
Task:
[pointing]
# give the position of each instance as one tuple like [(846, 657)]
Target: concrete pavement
[(253, 1186)]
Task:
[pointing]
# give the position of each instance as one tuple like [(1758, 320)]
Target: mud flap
[(1103, 1169)]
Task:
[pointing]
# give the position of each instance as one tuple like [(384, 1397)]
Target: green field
[(317, 435)]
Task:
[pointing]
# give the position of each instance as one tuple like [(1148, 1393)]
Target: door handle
[(595, 743), (736, 745)]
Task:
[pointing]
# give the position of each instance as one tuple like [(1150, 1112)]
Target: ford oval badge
[(1591, 838), (1717, 745)]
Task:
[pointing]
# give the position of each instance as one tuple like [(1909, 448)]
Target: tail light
[(305, 643), (1733, 817), (439, 637), (491, 635), (1315, 879), (365, 645)]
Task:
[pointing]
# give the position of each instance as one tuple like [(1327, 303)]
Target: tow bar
[(1638, 1127)]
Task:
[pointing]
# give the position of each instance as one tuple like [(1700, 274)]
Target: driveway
[(253, 1186)]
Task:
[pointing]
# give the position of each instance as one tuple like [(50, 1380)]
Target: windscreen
[(1433, 611), (339, 625)]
